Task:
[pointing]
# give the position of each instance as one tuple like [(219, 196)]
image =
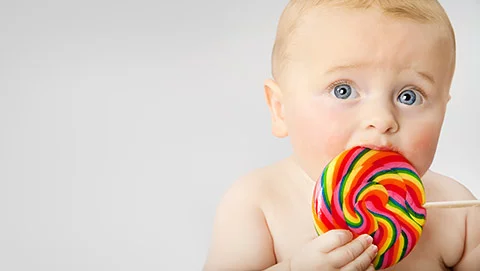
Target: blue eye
[(343, 91), (409, 97)]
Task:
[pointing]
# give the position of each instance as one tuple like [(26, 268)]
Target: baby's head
[(375, 73)]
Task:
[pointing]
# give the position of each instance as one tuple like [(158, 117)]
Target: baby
[(373, 73)]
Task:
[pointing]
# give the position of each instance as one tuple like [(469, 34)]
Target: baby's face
[(359, 78)]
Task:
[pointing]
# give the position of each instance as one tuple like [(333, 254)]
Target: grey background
[(123, 122)]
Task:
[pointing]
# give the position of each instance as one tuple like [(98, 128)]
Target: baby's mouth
[(379, 147)]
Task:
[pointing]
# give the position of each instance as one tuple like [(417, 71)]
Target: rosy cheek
[(318, 134), (335, 142), (422, 147), (321, 129), (424, 141)]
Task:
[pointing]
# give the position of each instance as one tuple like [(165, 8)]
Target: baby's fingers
[(362, 262), (332, 239), (347, 254)]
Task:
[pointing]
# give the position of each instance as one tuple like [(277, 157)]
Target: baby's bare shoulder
[(257, 185), (263, 184), (439, 187), (240, 230), (456, 229)]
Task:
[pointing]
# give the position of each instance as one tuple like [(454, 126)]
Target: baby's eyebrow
[(425, 75), (344, 67)]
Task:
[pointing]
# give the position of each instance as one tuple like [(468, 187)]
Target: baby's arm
[(471, 255), (240, 239)]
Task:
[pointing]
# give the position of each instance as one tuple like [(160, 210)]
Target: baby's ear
[(274, 98)]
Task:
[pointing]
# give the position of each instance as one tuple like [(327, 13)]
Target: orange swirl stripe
[(372, 192)]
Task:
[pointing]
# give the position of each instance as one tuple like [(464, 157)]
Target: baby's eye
[(344, 91), (410, 97)]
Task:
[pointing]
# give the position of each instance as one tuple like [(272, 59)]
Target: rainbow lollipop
[(372, 192)]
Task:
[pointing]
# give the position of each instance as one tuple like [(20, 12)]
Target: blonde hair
[(424, 11)]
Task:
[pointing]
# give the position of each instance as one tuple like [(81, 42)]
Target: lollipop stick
[(452, 204)]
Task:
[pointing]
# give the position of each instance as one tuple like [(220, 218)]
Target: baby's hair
[(423, 11)]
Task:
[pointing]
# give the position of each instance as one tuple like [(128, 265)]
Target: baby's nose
[(381, 119)]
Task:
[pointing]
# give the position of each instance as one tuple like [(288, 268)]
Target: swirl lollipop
[(372, 192)]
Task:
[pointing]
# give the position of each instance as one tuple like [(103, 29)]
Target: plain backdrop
[(123, 122)]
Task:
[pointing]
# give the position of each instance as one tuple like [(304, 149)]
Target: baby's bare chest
[(292, 228)]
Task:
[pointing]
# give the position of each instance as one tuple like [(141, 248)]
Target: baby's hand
[(335, 250)]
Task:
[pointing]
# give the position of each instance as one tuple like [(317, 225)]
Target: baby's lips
[(378, 147)]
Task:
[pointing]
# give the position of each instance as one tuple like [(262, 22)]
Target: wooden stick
[(452, 204)]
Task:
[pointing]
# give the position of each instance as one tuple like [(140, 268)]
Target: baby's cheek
[(422, 147), (335, 142), (319, 138)]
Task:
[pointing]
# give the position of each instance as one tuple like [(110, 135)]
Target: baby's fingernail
[(368, 238), (346, 234), (374, 249)]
